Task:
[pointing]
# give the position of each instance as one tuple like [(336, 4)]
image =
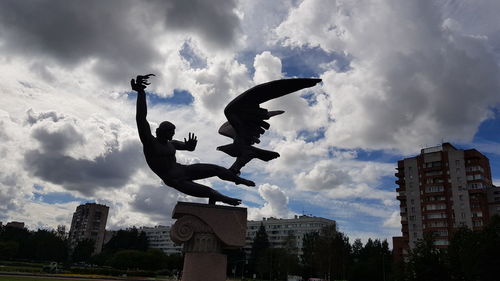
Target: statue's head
[(165, 131)]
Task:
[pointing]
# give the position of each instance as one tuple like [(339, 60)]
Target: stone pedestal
[(205, 230)]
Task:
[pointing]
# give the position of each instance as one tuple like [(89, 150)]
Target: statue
[(245, 126)]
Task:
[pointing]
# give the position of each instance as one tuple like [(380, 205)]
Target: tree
[(426, 262), (130, 239), (83, 250), (489, 268), (335, 251), (309, 255), (464, 254), (22, 237), (259, 247), (8, 249), (370, 262), (49, 246)]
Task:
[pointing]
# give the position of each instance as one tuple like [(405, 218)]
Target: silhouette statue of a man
[(160, 155)]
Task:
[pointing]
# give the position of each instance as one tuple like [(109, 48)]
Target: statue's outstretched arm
[(189, 144), (141, 107)]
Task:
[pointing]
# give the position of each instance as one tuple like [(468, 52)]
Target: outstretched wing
[(246, 117)]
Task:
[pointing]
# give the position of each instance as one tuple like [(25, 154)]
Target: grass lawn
[(18, 278), (33, 278), (36, 278)]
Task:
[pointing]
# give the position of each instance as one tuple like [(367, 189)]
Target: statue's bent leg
[(199, 190), (203, 171)]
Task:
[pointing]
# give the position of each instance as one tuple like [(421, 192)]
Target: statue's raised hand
[(140, 83), (191, 142)]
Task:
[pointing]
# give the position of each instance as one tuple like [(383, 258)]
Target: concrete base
[(204, 267), (205, 230)]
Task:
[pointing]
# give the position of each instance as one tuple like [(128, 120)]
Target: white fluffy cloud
[(267, 68), (412, 80), (276, 203)]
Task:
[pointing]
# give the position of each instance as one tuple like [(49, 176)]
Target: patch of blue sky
[(388, 183), (489, 130), (378, 156), (308, 208), (309, 62), (311, 136), (57, 198), (179, 98), (299, 62), (194, 60)]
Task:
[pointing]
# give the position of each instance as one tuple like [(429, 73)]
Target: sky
[(397, 76)]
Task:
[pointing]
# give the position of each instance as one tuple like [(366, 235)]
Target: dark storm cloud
[(114, 169), (52, 161), (60, 141), (117, 33), (215, 21), (70, 32), (34, 117)]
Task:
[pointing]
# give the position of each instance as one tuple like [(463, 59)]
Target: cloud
[(156, 201), (394, 221), (267, 68), (59, 158), (118, 37), (408, 84), (346, 179), (215, 22), (276, 203)]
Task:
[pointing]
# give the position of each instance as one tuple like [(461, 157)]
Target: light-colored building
[(159, 238), (439, 190), (282, 231), (89, 222)]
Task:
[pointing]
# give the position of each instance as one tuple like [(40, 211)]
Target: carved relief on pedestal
[(196, 235)]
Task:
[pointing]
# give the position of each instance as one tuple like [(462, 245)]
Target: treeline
[(40, 245), (328, 255), (471, 255), (128, 249)]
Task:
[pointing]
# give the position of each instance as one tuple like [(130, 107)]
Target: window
[(441, 232), (437, 188), (441, 242), (477, 214), (475, 185), (436, 207), (437, 216), (433, 173)]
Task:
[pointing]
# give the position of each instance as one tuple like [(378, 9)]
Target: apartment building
[(280, 231), (441, 189), (89, 222), (159, 238)]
